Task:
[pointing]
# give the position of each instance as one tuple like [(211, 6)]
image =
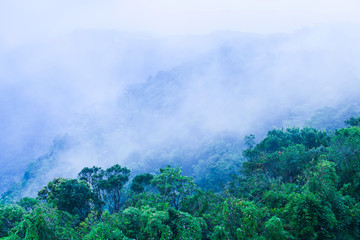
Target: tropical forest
[(293, 184)]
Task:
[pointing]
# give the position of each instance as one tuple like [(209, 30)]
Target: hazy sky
[(22, 21)]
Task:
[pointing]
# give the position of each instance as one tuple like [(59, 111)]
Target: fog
[(103, 88), (38, 20)]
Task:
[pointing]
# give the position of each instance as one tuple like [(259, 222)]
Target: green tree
[(111, 186), (108, 228), (185, 226), (45, 222), (92, 176), (69, 195), (10, 216), (242, 219), (353, 121), (173, 187), (155, 224), (309, 218), (28, 203), (274, 229), (220, 233), (107, 185), (140, 182), (132, 222), (345, 152)]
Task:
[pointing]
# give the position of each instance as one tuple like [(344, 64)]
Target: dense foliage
[(295, 184)]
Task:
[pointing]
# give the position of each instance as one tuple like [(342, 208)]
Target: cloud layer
[(23, 21), (78, 69)]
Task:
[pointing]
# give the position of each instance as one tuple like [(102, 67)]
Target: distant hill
[(116, 95)]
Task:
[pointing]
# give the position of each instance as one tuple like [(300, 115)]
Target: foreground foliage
[(294, 184)]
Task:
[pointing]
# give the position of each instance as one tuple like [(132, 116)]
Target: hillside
[(114, 95), (294, 184)]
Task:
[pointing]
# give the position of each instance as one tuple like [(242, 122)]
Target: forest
[(179, 120), (294, 184)]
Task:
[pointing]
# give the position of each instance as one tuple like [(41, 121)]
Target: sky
[(22, 21)]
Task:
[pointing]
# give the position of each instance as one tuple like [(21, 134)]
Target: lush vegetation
[(294, 184)]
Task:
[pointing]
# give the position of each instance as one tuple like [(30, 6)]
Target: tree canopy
[(294, 184)]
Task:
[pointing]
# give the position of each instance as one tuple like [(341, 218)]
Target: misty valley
[(106, 135)]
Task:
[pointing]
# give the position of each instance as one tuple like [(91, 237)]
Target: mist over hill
[(97, 97)]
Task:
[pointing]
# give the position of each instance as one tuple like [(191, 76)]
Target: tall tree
[(173, 187), (111, 186), (69, 195)]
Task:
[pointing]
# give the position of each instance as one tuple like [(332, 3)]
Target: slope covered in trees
[(151, 92), (294, 184)]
